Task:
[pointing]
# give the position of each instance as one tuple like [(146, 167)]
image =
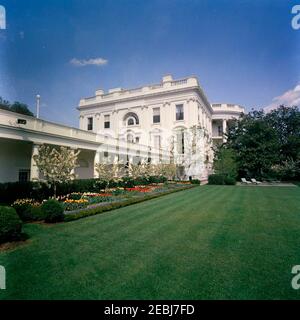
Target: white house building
[(171, 121)]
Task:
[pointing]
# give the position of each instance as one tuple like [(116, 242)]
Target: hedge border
[(116, 205)]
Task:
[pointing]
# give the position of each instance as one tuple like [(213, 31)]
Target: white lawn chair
[(255, 181), (245, 181)]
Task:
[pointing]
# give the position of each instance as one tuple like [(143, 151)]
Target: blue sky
[(243, 52)]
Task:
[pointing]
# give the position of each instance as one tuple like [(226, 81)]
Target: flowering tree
[(167, 170), (104, 171), (138, 170), (57, 164)]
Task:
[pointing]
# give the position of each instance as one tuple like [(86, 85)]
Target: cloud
[(90, 62), (289, 98)]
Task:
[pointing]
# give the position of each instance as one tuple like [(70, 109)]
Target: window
[(220, 131), (180, 142), (24, 175), (179, 112), (107, 121), (131, 119), (156, 115), (105, 154), (90, 123), (130, 138), (130, 122), (137, 140)]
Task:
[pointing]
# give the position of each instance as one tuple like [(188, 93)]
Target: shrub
[(127, 182), (216, 179), (195, 181), (229, 181), (157, 179), (23, 206), (10, 224), (75, 196), (33, 213), (141, 181), (53, 211)]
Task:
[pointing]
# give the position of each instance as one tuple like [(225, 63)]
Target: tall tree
[(286, 122), (17, 107), (4, 104), (255, 143), (21, 108)]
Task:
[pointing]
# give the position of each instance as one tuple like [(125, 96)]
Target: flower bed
[(29, 209), (97, 209), (70, 204)]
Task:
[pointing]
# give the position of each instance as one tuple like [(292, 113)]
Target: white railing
[(178, 82), (10, 119), (192, 81)]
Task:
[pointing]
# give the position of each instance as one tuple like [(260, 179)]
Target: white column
[(34, 170), (224, 128), (97, 159)]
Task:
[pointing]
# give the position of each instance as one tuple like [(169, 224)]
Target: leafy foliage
[(266, 144), (56, 163), (10, 224), (53, 211), (17, 107), (225, 162)]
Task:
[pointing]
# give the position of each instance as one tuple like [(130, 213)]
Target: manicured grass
[(209, 242)]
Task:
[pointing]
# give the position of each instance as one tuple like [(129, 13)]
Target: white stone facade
[(171, 116), (165, 122)]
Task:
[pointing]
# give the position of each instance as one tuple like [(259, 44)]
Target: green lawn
[(210, 242)]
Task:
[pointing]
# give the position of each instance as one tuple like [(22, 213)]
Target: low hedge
[(229, 181), (220, 179), (216, 179), (116, 205), (10, 224)]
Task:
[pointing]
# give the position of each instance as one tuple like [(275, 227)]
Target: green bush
[(126, 182), (220, 179), (216, 179), (10, 224), (141, 181), (229, 181), (157, 179), (21, 209), (53, 211), (33, 213), (75, 196), (195, 181)]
